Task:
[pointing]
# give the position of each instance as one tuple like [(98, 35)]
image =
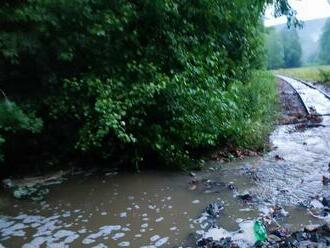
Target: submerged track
[(315, 101)]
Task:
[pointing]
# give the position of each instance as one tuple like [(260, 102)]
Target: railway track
[(315, 101)]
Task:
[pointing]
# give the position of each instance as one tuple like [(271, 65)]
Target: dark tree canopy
[(274, 49), (292, 48)]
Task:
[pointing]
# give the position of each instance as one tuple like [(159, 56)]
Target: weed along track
[(281, 198)]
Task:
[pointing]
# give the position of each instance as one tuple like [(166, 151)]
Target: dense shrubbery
[(132, 80)]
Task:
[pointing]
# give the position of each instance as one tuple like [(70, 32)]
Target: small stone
[(325, 180), (274, 238), (231, 186), (192, 174), (246, 198), (278, 157), (311, 228), (280, 232), (193, 187), (316, 204), (279, 212), (326, 201), (204, 242), (8, 183), (215, 209)]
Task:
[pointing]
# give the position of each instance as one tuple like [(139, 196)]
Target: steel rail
[(308, 84), (301, 100)]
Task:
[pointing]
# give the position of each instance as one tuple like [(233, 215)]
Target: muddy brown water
[(142, 209), (158, 209)]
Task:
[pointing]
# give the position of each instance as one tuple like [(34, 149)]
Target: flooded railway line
[(285, 188)]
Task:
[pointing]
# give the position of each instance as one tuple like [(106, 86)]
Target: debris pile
[(35, 188)]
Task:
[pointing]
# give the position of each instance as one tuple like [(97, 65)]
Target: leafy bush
[(174, 117), (14, 120), (134, 80), (257, 111)]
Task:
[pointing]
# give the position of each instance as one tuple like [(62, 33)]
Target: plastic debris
[(260, 231)]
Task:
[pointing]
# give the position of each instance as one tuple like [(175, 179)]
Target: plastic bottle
[(260, 231)]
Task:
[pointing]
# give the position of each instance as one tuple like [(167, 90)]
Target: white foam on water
[(244, 237), (14, 230), (124, 244), (154, 238), (118, 236), (159, 219), (145, 225), (123, 215), (5, 223), (103, 231), (161, 241)]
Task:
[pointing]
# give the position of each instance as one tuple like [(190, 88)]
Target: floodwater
[(122, 210), (159, 209)]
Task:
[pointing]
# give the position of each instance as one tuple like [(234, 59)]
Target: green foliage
[(325, 76), (283, 49), (311, 73), (256, 111), (173, 118), (138, 79), (14, 120), (325, 44), (292, 48), (275, 50)]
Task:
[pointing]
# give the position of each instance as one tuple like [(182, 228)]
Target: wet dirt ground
[(158, 209)]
